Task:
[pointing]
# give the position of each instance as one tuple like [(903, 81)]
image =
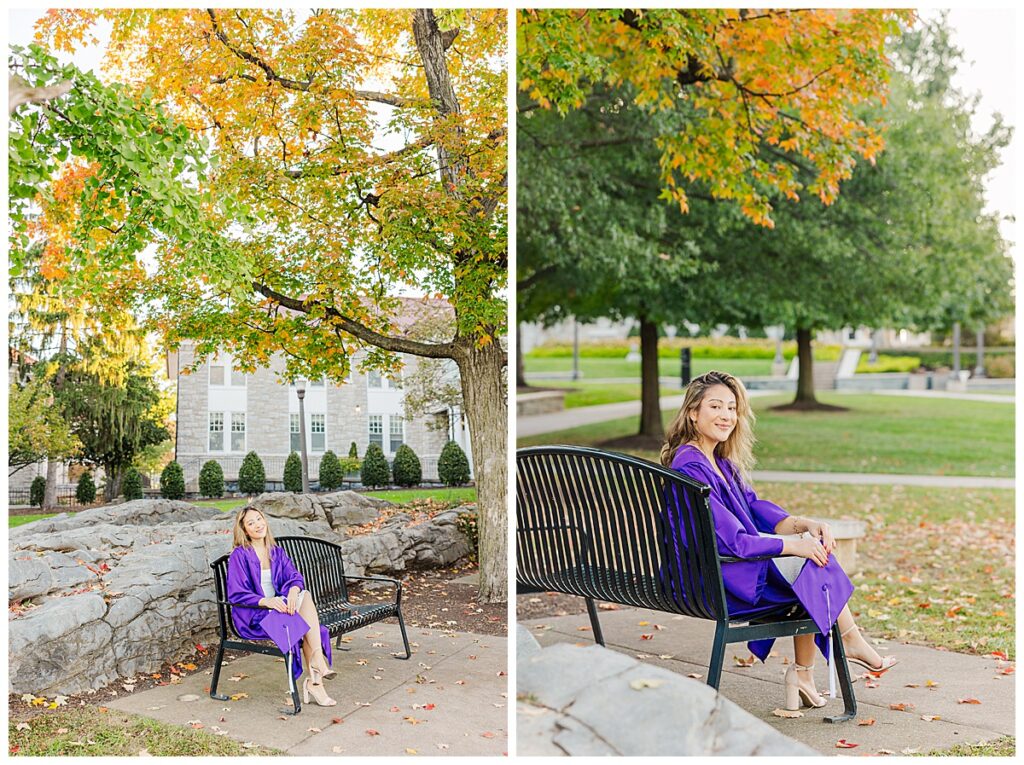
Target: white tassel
[(831, 649)]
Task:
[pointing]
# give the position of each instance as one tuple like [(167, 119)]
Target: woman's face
[(715, 418), (255, 524)]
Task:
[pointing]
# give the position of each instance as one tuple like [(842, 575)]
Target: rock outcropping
[(120, 590)]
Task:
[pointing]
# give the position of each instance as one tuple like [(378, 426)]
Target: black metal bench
[(323, 569), (595, 524)]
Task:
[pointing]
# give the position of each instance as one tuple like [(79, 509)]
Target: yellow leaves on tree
[(758, 93)]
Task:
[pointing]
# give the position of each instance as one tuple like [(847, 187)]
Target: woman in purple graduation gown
[(261, 574), (711, 440)]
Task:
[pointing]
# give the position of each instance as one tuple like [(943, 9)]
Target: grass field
[(595, 394), (448, 496), (880, 434), (91, 731), (603, 368), (937, 565)]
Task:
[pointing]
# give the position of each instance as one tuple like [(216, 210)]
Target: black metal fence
[(65, 497)]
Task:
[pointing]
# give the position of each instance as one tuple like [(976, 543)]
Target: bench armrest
[(731, 559), (243, 605), (386, 579)]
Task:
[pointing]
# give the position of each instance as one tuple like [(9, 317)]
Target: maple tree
[(331, 226), (773, 92)]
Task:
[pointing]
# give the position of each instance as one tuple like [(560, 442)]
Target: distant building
[(222, 414)]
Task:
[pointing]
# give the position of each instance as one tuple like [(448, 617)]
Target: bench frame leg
[(216, 674), (845, 682), (405, 638), (717, 656), (289, 663), (595, 625)]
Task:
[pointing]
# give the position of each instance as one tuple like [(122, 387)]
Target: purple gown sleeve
[(240, 589), (767, 515), (735, 540)]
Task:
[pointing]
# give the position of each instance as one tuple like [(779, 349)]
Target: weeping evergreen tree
[(114, 422)]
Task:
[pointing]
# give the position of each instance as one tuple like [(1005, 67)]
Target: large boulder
[(339, 510), (564, 708), (119, 590)]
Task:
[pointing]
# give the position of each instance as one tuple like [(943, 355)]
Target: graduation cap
[(284, 629)]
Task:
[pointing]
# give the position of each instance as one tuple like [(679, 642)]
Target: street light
[(300, 390), (777, 332)]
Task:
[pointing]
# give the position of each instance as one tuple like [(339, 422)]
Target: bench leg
[(339, 645), (405, 639), (717, 657), (595, 625), (289, 663), (216, 675), (845, 683)]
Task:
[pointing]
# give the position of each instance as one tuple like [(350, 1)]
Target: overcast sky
[(987, 37)]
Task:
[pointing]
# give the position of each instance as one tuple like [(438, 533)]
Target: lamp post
[(777, 332), (300, 390)]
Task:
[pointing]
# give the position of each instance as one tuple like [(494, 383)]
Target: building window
[(217, 374), (317, 430), (373, 380), (296, 442), (216, 431), (237, 378), (376, 427), (397, 433), (238, 432)]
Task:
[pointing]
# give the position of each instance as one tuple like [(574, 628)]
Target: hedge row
[(668, 348)]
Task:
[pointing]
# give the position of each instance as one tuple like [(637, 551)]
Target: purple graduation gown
[(245, 587), (751, 587)]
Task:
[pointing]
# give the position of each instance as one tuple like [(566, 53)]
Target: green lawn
[(448, 496), (880, 434), (937, 565), (594, 394), (603, 368), (95, 731)]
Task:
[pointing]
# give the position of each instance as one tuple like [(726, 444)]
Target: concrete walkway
[(888, 479), (450, 698), (683, 645), (991, 398)]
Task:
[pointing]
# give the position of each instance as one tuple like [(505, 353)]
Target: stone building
[(223, 414)]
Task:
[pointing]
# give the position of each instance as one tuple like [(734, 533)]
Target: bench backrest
[(617, 528), (319, 562)]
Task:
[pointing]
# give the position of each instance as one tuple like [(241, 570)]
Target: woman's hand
[(293, 599), (277, 604), (805, 548), (822, 532)]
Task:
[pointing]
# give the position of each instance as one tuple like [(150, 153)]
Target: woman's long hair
[(241, 538), (739, 447)]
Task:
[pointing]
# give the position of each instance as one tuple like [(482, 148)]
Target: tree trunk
[(483, 390), (112, 486), (805, 382), (650, 399), (520, 366), (50, 495)]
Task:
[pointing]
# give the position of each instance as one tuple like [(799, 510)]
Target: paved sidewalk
[(989, 397), (450, 698), (683, 645), (890, 479)]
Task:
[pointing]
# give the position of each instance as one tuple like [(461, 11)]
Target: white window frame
[(243, 431), (400, 421), (375, 419), (294, 435), (313, 432), (210, 430)]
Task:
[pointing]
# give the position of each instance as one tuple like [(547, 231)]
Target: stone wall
[(120, 590)]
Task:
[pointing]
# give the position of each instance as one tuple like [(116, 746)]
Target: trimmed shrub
[(350, 465), (1000, 366), (452, 465), (330, 471), (131, 486), (85, 492), (353, 451), (252, 478), (172, 481), (293, 473), (211, 479), (37, 492), (406, 467), (375, 470)]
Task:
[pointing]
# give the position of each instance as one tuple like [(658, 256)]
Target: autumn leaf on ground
[(998, 655), (844, 744), (372, 732), (410, 751), (647, 637), (412, 720), (748, 662), (902, 706), (640, 684), (312, 730), (931, 684), (789, 714), (642, 624), (930, 718), (1006, 670), (237, 696), (967, 701), (603, 607), (866, 721), (488, 734), (23, 726)]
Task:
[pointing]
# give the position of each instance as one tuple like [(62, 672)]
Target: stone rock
[(564, 708), (286, 504), (122, 590), (350, 508)]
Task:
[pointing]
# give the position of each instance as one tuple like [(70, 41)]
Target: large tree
[(368, 148)]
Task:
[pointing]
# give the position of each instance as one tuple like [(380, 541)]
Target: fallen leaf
[(601, 607), (967, 701), (337, 749), (844, 744), (695, 675), (249, 745), (1006, 670), (642, 624), (145, 753), (789, 714), (372, 732), (312, 730), (931, 684), (488, 734), (910, 750), (748, 662), (443, 747), (902, 706), (639, 685), (911, 685), (410, 751), (61, 731), (866, 721), (23, 726), (412, 720), (998, 655), (647, 637), (237, 696), (930, 718), (886, 751)]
